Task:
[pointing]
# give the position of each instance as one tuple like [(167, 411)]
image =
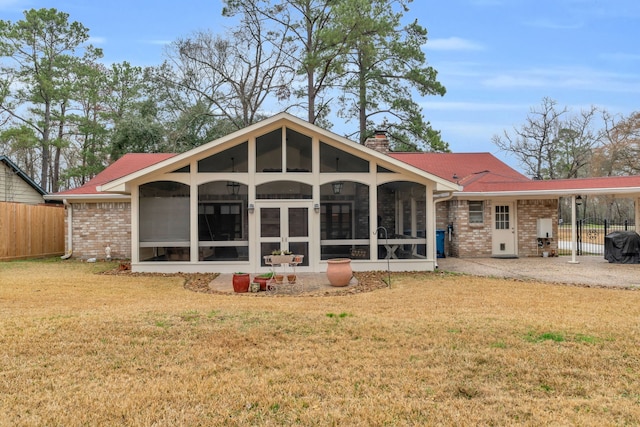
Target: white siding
[(15, 189)]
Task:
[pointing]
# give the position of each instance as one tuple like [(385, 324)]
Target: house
[(500, 214), (283, 183), (16, 186)]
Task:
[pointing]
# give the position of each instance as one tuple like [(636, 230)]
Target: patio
[(308, 283), (589, 271)]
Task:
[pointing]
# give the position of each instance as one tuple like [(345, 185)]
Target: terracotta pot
[(279, 278), (241, 282), (291, 278), (339, 271), (263, 282)]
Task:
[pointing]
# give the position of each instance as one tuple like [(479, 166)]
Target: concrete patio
[(589, 270)]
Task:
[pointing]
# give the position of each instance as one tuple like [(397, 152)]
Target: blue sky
[(497, 58)]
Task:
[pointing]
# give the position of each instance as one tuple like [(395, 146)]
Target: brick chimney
[(378, 142)]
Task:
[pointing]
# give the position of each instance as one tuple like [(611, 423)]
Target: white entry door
[(504, 230), (285, 226)]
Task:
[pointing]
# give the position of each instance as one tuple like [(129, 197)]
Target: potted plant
[(262, 279), (241, 282), (279, 257)]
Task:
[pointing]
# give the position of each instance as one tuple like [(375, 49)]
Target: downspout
[(438, 199), (69, 209)]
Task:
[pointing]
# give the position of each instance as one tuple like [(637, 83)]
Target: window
[(476, 212), (223, 224), (334, 160), (336, 221), (269, 152), (502, 217), (234, 159), (164, 221), (298, 152), (284, 190), (220, 221)]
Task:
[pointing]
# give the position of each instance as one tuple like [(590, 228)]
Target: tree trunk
[(46, 155), (362, 101)]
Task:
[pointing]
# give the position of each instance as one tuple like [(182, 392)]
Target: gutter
[(92, 197)]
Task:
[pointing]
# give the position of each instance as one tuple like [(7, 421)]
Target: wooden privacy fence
[(29, 231)]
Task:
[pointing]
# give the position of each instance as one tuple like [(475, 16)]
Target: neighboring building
[(28, 227), (286, 184), (16, 186)]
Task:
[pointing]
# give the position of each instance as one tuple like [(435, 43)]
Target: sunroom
[(281, 184)]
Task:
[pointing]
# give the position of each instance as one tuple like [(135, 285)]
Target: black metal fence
[(590, 233)]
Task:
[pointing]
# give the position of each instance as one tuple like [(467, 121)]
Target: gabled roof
[(7, 161), (482, 175), (125, 165), (471, 174), (120, 185)]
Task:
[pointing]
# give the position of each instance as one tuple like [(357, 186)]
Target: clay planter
[(279, 278), (241, 282), (339, 271), (291, 278), (262, 281)]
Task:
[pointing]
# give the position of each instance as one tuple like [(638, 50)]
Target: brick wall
[(467, 240), (96, 225), (474, 240), (443, 219), (529, 211)]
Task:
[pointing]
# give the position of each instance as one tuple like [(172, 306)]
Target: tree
[(385, 63), (574, 145), (88, 126), (209, 79), (138, 132), (20, 143), (620, 152), (39, 47), (311, 55), (554, 143), (533, 143)]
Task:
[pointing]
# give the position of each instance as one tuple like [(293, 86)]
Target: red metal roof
[(484, 173), (125, 165), (606, 182), (456, 167)]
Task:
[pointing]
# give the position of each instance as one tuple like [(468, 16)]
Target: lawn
[(78, 347)]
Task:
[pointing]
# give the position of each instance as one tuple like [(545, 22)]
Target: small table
[(392, 244)]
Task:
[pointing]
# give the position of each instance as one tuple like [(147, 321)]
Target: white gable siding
[(15, 189)]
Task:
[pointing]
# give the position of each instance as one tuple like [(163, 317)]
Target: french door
[(284, 225)]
